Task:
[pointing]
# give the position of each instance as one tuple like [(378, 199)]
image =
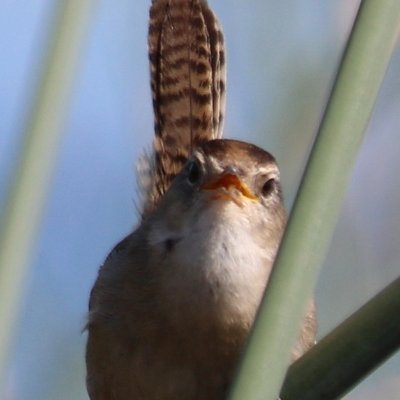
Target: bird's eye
[(268, 187), (193, 172)]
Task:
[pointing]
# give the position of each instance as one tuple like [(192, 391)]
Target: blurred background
[(282, 59)]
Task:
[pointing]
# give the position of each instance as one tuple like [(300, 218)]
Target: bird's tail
[(187, 66)]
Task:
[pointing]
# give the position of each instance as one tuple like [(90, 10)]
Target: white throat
[(216, 265)]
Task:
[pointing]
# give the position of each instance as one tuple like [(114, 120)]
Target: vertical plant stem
[(28, 193), (318, 202)]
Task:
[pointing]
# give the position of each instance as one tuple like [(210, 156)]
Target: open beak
[(229, 187)]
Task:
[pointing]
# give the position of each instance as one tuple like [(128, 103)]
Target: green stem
[(318, 202), (350, 352), (27, 196)]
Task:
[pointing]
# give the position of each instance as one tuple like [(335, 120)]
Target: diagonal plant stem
[(350, 352), (318, 202), (27, 196)]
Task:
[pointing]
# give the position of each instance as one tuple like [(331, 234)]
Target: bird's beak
[(223, 187)]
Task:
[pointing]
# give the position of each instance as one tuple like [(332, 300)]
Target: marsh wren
[(175, 300)]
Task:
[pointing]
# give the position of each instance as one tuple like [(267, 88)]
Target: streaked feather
[(187, 65)]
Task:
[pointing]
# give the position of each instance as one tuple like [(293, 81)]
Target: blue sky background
[(282, 57)]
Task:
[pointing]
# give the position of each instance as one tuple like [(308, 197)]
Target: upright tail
[(187, 65)]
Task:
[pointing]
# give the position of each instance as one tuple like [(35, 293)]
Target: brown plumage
[(187, 66), (174, 301)]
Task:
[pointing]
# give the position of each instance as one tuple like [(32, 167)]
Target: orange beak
[(226, 182)]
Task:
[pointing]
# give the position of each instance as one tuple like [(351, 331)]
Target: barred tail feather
[(187, 66)]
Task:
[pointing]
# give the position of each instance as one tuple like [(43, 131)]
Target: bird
[(174, 301)]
